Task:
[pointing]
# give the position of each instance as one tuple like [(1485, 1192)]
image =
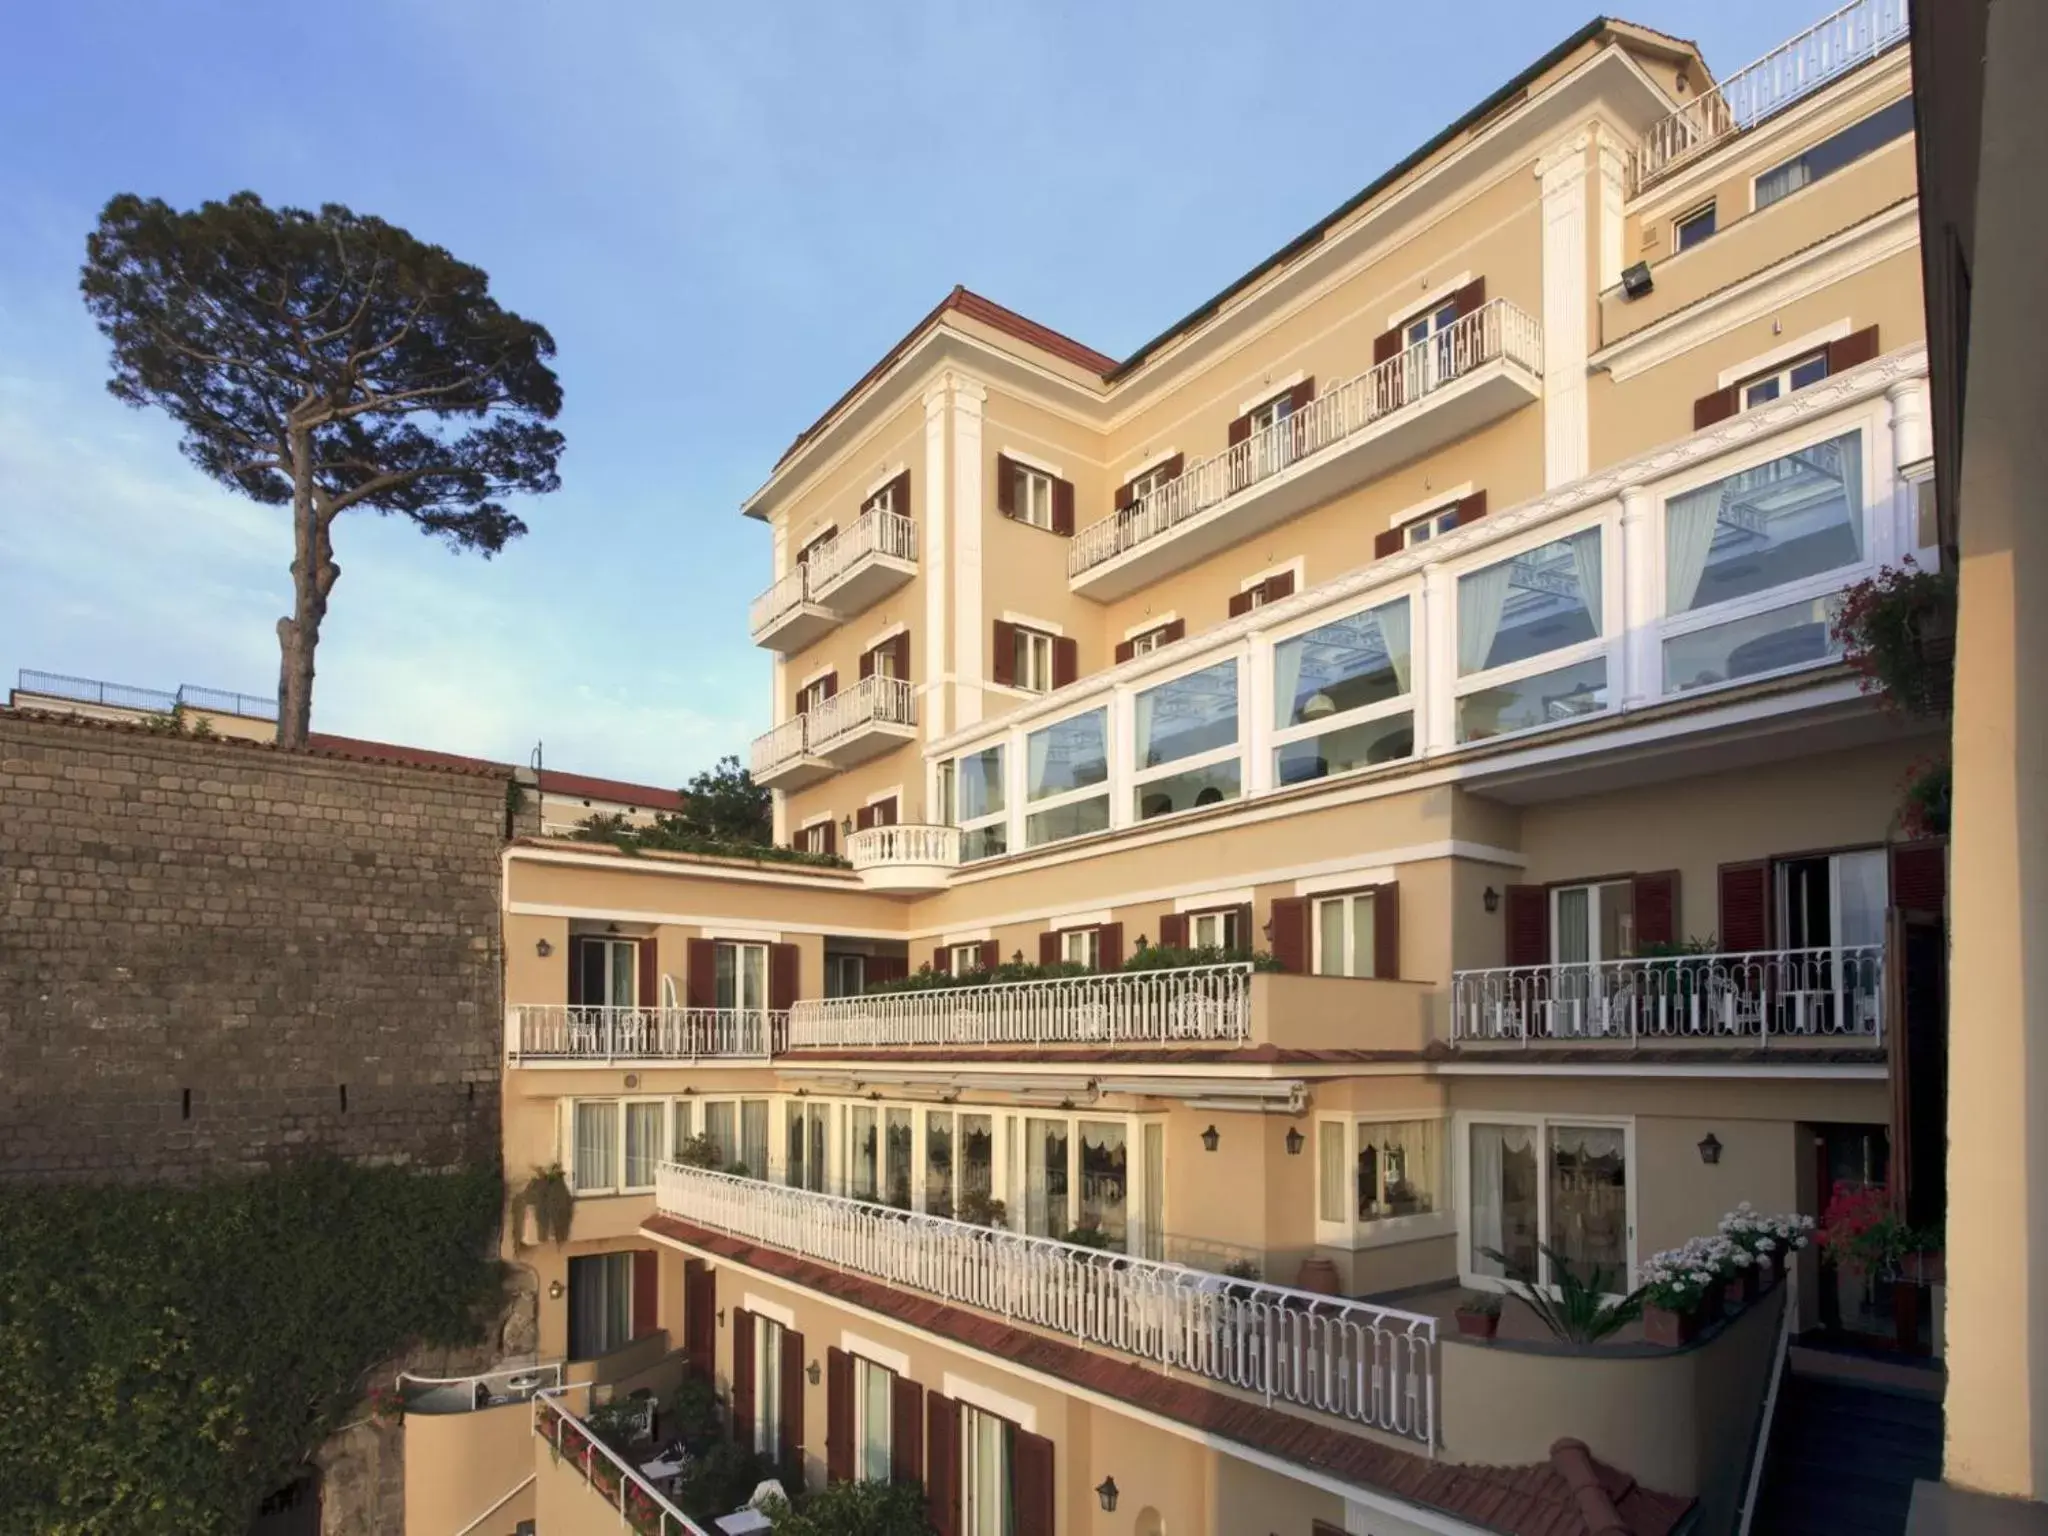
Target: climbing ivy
[(170, 1355)]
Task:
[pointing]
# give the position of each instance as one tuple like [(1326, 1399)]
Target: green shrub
[(855, 1509)]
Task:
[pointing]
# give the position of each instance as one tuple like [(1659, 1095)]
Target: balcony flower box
[(1479, 1318), (1662, 1325)]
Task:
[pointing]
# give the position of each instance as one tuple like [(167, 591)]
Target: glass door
[(1505, 1205), (1831, 915), (741, 976), (1587, 1220), (1591, 926)]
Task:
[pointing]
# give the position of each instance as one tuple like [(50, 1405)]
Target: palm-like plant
[(1575, 1310)]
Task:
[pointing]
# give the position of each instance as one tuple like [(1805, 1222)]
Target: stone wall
[(214, 954)]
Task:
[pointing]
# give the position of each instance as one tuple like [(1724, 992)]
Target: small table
[(743, 1522)]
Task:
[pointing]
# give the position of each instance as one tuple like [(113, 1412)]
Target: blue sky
[(724, 214)]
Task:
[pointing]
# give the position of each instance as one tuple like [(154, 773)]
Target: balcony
[(1830, 48), (874, 716), (1370, 1365), (582, 1475), (1795, 997), (1215, 1005), (836, 580), (552, 1033), (1486, 365), (782, 758), (906, 857)]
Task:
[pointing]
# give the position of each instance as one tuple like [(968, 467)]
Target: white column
[(1255, 715), (1641, 680), (1566, 442), (1436, 637), (1912, 435), (1121, 727), (937, 662), (1611, 168), (970, 637)]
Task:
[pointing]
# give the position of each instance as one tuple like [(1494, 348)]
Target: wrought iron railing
[(789, 592), (92, 690), (642, 1506), (585, 1032), (514, 1382), (873, 533), (784, 744)]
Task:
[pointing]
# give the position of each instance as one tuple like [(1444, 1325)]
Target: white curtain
[(1849, 454), (597, 1146), (1690, 522), (1482, 598), (1393, 623), (1286, 685), (1586, 561), (643, 1142), (1146, 711), (1861, 894), (1492, 1145), (1330, 1170), (1574, 926)]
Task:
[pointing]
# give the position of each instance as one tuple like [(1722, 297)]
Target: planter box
[(1478, 1325), (1671, 1329)]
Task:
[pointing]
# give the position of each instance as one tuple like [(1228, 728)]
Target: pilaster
[(1566, 301)]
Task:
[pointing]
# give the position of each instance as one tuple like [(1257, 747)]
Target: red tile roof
[(554, 781), (551, 779), (1546, 1499)]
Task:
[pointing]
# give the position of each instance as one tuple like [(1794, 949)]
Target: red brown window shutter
[(991, 957), (743, 1377), (1063, 508), (1173, 930), (1125, 495), (831, 830), (867, 664), (1470, 297), (1172, 630), (1471, 508), (785, 965), (1066, 660), (906, 1431), (700, 974), (1528, 925), (942, 1463), (831, 685), (1745, 906), (1109, 946), (1241, 429), (863, 818), (1302, 394), (1277, 587), (1920, 877), (1718, 406), (1386, 932), (1242, 602), (1003, 659), (647, 977), (1856, 347), (883, 812), (1126, 649), (839, 1447), (1387, 543), (902, 644), (942, 960), (700, 1326), (575, 954), (1386, 345), (899, 499), (1031, 1483), (790, 1440), (1049, 947), (797, 704), (1241, 927), (1290, 933), (646, 1291), (1655, 900), (1006, 485)]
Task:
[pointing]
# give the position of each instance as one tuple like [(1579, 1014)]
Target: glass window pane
[(1793, 517), (726, 975), (1544, 699), (1344, 665), (1067, 755), (987, 842), (1504, 1198), (597, 1145), (1186, 791), (754, 976), (1385, 740), (1192, 714), (896, 1132), (1589, 1202), (1061, 822), (1400, 1168), (1330, 1170), (862, 1152), (1831, 154), (1784, 637), (754, 1137), (1330, 938), (718, 1126), (1045, 1178), (1105, 1182), (977, 1157), (682, 1131), (1810, 371), (643, 1142), (1540, 601), (1762, 392), (873, 1391), (938, 1162), (979, 783), (1361, 935)]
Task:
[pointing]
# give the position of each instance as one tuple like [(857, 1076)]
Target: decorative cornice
[(1569, 153)]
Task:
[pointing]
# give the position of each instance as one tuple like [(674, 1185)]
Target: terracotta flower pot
[(1663, 1326), (1478, 1325), (1751, 1285), (1319, 1275)]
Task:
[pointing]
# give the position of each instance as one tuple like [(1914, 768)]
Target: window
[(607, 972), (977, 1160), (1833, 900), (845, 975), (938, 1161), (597, 1146), (1190, 721), (1593, 923), (719, 1130), (882, 660), (1688, 230), (986, 1508), (753, 1159), (1153, 479), (962, 959), (1062, 763), (813, 694), (1081, 946), (645, 1122), (1423, 326), (740, 973), (1148, 642), (1105, 1182), (883, 500), (1046, 1145), (1731, 545), (1341, 695), (816, 546), (1034, 497), (816, 838), (1767, 387), (808, 1135), (1343, 935), (600, 1304), (767, 1344), (970, 791), (1532, 605), (1033, 670), (1430, 525), (1832, 153), (1552, 1183), (1399, 1168), (1215, 930), (896, 1149), (863, 1153), (874, 1389), (684, 1116)]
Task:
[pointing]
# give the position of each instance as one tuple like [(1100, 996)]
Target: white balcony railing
[(1493, 331), (785, 743), (873, 533), (871, 701), (580, 1032), (907, 843), (1183, 1005), (510, 1383), (1830, 47), (1733, 999), (789, 592), (1371, 1365), (641, 1506)]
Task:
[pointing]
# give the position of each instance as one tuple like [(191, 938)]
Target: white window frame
[(613, 947), (1019, 1172), (1032, 671), (857, 965), (618, 1103), (1431, 525), (883, 500), (1148, 480), (1461, 1160), (1033, 496), (1081, 946), (1147, 641), (770, 1339), (1880, 541), (964, 958), (1710, 209), (1348, 900), (1353, 1232), (739, 972), (863, 1426), (1222, 917), (1408, 703), (1782, 377), (1238, 749), (1593, 890), (812, 695), (1101, 789), (973, 1520)]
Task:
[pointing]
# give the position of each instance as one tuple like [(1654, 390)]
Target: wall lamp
[(721, 1317), (1636, 280), (1294, 1142), (1492, 899), (1710, 1148), (554, 1290), (543, 949), (1210, 1138), (813, 1372), (1106, 1491)]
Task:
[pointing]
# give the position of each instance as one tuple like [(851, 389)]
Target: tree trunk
[(313, 576)]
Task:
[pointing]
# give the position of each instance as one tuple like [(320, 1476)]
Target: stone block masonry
[(215, 954)]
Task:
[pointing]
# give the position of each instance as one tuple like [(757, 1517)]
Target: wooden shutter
[(646, 1291), (1172, 630), (790, 1432), (743, 1377), (1125, 495), (1277, 587), (700, 974), (1173, 930), (1003, 661), (902, 644), (1063, 508), (1856, 347), (1387, 344), (1290, 933), (1386, 931), (796, 704), (1745, 906), (1109, 946), (1049, 947), (1920, 877), (1388, 543), (700, 1326), (1718, 406), (942, 960), (1031, 1483), (831, 830), (1471, 508), (991, 957), (1241, 429), (1006, 485), (839, 1447), (1655, 900), (831, 685), (1470, 297), (867, 664), (575, 949), (1241, 926), (785, 966), (883, 812), (942, 1463), (1302, 394), (1528, 925), (899, 497), (863, 818), (906, 1430), (1242, 602), (1066, 660), (1126, 649)]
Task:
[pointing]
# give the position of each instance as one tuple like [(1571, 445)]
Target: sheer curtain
[(1330, 1170), (1286, 687), (597, 1146), (1037, 756), (1586, 562), (1482, 598), (1589, 1200), (1690, 522), (1849, 455), (1393, 623), (1492, 1227), (1861, 893), (1146, 712)]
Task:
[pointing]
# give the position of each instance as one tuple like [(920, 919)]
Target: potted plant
[(1926, 798), (980, 1210), (547, 1205), (1576, 1308), (1897, 630), (1681, 1287), (1479, 1314), (1861, 1232), (1770, 1241)]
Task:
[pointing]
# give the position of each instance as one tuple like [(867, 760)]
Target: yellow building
[(1441, 615)]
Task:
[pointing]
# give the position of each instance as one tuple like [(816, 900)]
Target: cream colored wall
[(899, 771), (457, 1465), (650, 887)]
